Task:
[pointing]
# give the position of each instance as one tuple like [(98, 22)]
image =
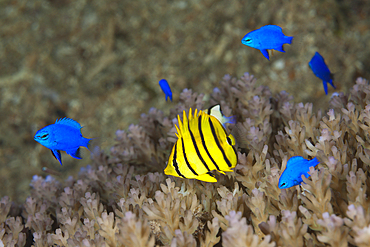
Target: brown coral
[(115, 201)]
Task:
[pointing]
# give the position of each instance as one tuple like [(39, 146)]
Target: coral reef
[(124, 199), (99, 62)]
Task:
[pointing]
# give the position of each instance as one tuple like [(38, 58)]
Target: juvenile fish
[(321, 70), (165, 88), (295, 168), (203, 145), (268, 37), (63, 135)]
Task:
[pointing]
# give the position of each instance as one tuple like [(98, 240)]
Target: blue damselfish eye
[(45, 136)]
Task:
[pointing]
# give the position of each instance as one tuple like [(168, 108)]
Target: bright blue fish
[(267, 38), (64, 135), (321, 70), (165, 88), (295, 168)]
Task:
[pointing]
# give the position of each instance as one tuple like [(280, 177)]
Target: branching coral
[(240, 234), (116, 202), (11, 229)]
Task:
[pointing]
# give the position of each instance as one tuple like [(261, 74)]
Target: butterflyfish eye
[(283, 184), (248, 40), (229, 141)]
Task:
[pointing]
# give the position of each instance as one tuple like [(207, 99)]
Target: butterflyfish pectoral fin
[(56, 154), (207, 177), (75, 153)]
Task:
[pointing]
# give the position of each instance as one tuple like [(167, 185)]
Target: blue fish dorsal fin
[(318, 56), (69, 122), (272, 27), (296, 160), (299, 161)]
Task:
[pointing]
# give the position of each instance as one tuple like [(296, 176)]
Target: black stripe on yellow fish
[(196, 146), (175, 165), (186, 158), (202, 146), (204, 143), (218, 143)]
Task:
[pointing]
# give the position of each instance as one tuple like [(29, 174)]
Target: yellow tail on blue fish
[(203, 146)]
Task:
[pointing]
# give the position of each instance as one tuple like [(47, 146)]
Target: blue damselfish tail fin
[(289, 39), (86, 142)]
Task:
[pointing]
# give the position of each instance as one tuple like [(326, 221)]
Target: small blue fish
[(267, 38), (321, 70), (64, 135), (165, 88), (295, 168)]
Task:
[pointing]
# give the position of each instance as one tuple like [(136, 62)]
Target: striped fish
[(202, 146)]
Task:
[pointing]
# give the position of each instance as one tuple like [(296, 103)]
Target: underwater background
[(99, 62)]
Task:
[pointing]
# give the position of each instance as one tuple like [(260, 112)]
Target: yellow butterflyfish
[(203, 146)]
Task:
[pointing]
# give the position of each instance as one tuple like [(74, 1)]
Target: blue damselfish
[(321, 70), (267, 38), (64, 135), (165, 88), (295, 168)]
